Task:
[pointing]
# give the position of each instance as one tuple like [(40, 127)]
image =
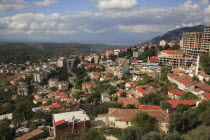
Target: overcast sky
[(97, 21)]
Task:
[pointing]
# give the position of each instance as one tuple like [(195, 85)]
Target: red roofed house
[(69, 122), (140, 92), (127, 100), (154, 59), (175, 103), (149, 107), (130, 85), (55, 106), (63, 96), (202, 76), (95, 75), (87, 88), (108, 52), (207, 96), (175, 94), (121, 118)]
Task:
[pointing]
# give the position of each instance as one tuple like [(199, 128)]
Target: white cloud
[(136, 24), (116, 4), (46, 2), (12, 5), (142, 28)]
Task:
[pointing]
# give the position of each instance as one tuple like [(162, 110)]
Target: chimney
[(197, 65)]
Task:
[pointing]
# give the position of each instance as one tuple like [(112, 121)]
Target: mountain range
[(176, 34)]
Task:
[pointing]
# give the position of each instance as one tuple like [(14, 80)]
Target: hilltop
[(176, 34)]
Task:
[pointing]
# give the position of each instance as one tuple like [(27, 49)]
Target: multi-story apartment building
[(172, 58), (196, 43)]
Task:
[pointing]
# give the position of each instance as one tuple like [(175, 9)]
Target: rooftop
[(71, 116)]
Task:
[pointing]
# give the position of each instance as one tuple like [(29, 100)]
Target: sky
[(97, 21)]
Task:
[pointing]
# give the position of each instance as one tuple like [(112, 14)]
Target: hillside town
[(149, 89)]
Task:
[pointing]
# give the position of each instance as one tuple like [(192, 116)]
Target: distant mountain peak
[(176, 34)]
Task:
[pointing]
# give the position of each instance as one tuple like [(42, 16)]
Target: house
[(141, 92), (175, 94), (153, 59), (121, 118), (149, 107), (55, 106), (198, 92), (105, 97), (207, 96), (95, 75), (128, 100), (69, 122), (33, 135), (53, 82), (23, 89), (61, 95), (175, 103), (203, 77), (63, 85), (130, 86), (8, 116), (87, 88)]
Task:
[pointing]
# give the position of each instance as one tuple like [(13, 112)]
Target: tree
[(123, 94), (144, 121), (4, 130), (166, 47), (161, 136), (183, 121), (205, 116), (150, 99), (165, 105), (188, 96), (94, 135), (132, 133), (205, 62)]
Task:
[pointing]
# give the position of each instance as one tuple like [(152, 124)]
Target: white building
[(53, 82), (63, 85), (162, 43), (61, 62)]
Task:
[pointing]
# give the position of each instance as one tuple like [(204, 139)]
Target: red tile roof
[(127, 100), (59, 123), (143, 92), (30, 135), (175, 103), (121, 91), (61, 94), (154, 59), (128, 114), (55, 105), (149, 107), (207, 96), (172, 52), (176, 92)]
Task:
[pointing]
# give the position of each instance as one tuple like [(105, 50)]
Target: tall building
[(173, 59), (196, 43)]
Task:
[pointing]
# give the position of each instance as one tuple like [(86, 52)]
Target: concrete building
[(63, 85), (53, 82), (173, 59), (40, 76), (162, 43), (69, 122), (61, 62), (105, 97), (196, 43), (23, 89), (72, 61)]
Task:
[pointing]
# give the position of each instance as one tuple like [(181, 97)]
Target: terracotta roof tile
[(176, 92), (127, 100)]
